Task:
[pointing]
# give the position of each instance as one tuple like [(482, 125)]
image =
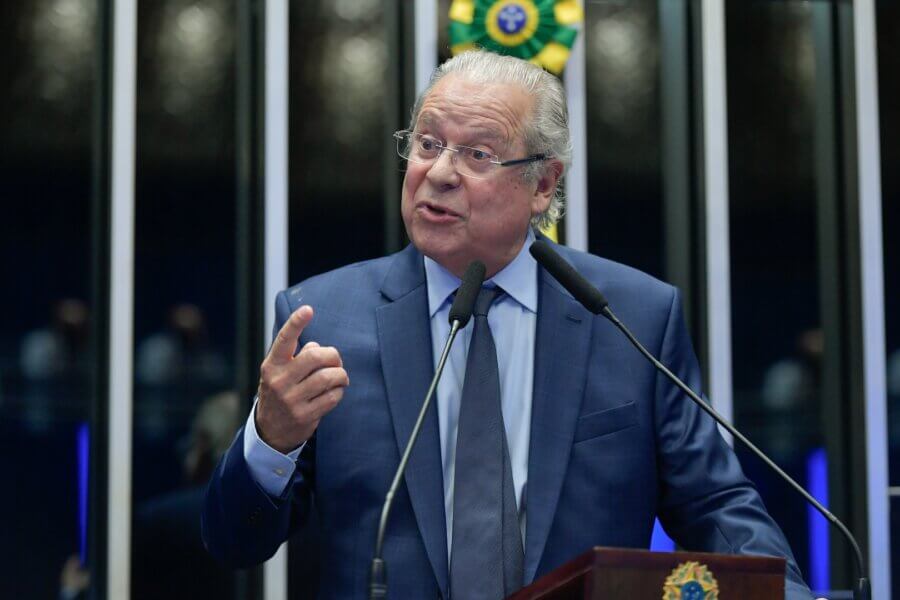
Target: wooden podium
[(613, 573)]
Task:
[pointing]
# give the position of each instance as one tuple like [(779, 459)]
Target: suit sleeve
[(706, 503), (241, 524)]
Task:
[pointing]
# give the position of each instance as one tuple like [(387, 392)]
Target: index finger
[(285, 343)]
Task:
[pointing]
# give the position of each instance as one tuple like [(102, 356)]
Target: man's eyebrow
[(487, 133), (476, 131), (425, 119)]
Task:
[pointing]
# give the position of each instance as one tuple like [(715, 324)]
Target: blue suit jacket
[(613, 444)]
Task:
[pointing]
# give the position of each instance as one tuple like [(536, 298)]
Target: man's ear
[(545, 187)]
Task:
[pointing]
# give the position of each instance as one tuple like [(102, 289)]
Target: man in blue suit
[(596, 444)]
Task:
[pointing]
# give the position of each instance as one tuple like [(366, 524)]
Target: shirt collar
[(518, 279)]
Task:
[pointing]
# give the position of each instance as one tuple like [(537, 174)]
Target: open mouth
[(437, 211)]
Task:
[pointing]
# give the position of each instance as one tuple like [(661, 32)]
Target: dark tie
[(486, 556)]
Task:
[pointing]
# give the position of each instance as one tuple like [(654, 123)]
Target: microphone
[(460, 313), (582, 289), (464, 302), (593, 300)]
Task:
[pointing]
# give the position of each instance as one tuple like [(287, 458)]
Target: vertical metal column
[(396, 19), (715, 144), (277, 31), (576, 220), (677, 145), (426, 42), (678, 161), (121, 295), (836, 386), (872, 282)]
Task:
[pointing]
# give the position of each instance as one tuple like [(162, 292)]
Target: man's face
[(455, 219)]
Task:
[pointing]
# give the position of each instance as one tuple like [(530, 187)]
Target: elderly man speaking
[(567, 440)]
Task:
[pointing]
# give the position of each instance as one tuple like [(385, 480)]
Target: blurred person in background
[(174, 369), (54, 362), (181, 352), (169, 560)]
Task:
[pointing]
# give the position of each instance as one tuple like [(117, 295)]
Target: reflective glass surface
[(889, 106), (888, 23), (339, 142), (48, 367), (777, 327), (185, 407), (625, 178)]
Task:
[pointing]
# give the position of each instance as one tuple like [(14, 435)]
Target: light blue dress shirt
[(513, 321)]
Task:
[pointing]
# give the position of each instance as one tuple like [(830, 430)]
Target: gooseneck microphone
[(460, 313), (593, 300)]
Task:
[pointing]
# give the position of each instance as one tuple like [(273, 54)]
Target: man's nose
[(443, 170)]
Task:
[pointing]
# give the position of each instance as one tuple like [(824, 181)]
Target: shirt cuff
[(271, 469)]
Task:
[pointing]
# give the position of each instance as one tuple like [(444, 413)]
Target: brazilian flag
[(541, 31)]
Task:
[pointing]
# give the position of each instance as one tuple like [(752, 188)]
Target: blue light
[(660, 542), (817, 483), (83, 449)]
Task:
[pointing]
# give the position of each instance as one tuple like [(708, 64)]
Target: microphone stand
[(862, 590), (592, 299), (378, 571)]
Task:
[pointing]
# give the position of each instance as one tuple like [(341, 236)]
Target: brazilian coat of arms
[(691, 581)]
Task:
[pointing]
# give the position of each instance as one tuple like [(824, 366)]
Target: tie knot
[(484, 300)]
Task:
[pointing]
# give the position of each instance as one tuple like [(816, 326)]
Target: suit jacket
[(613, 444)]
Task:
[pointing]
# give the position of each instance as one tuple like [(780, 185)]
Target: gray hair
[(547, 131)]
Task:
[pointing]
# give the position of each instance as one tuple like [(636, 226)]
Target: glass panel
[(339, 61), (777, 329), (338, 74), (888, 22), (48, 369), (185, 409), (888, 19), (625, 210), (443, 30)]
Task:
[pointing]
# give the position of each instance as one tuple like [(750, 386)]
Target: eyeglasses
[(477, 163)]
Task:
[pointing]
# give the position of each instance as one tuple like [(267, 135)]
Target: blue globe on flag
[(511, 18)]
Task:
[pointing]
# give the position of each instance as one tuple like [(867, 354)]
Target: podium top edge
[(633, 557)]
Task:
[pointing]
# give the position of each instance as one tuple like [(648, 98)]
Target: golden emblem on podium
[(691, 581)]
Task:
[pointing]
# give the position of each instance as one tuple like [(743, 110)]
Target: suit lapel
[(562, 346), (404, 340)]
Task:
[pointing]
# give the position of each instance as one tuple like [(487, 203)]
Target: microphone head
[(464, 302), (582, 289)]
